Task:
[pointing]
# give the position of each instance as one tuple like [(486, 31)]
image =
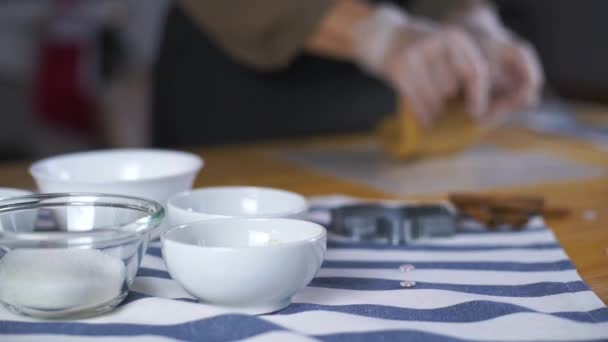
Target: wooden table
[(584, 240)]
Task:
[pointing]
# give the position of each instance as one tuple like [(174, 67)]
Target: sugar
[(59, 278)]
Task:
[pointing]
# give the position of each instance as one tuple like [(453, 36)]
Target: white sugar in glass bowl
[(245, 265), (81, 256), (234, 201), (148, 173)]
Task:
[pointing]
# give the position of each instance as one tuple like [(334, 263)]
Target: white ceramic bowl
[(148, 173), (251, 266), (234, 201)]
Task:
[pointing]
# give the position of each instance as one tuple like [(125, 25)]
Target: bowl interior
[(116, 165), (242, 233), (54, 220), (240, 201)]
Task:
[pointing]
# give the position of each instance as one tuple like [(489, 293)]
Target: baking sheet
[(480, 168), (558, 118)]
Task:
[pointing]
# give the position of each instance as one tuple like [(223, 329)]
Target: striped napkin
[(481, 286)]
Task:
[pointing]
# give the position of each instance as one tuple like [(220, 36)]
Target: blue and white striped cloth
[(505, 286)]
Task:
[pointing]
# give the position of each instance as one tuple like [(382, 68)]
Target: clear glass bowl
[(72, 255)]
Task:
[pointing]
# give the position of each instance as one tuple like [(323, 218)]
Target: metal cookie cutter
[(392, 224)]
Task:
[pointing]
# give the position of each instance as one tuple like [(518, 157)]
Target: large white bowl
[(148, 173), (251, 266), (234, 201)]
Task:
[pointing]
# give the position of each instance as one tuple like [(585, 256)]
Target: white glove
[(515, 71), (425, 63)]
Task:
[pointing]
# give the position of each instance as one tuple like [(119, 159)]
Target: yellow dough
[(404, 138)]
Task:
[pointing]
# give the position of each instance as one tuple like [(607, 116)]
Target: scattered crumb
[(589, 215)]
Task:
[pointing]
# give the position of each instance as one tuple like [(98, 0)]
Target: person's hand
[(516, 76), (436, 66), (515, 71), (425, 63)]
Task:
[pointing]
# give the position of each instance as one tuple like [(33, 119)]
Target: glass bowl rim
[(155, 215)]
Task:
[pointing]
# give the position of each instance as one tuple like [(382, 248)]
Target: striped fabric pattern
[(480, 286)]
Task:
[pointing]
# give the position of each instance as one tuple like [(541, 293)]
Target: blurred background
[(82, 74)]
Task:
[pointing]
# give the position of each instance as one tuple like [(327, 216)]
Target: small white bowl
[(148, 173), (246, 265), (234, 201)]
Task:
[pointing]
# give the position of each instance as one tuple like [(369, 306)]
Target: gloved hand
[(515, 71), (426, 63)]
